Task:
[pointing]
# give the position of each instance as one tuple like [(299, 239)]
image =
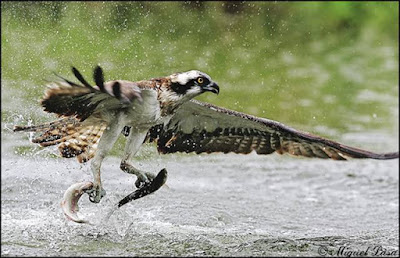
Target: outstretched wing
[(202, 127), (67, 98)]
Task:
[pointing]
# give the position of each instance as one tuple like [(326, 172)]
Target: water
[(212, 205)]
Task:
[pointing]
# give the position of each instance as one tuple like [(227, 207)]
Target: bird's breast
[(144, 114)]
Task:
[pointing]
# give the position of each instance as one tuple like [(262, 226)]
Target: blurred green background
[(323, 67)]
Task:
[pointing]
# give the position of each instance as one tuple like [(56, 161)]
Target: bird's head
[(192, 83), (182, 87)]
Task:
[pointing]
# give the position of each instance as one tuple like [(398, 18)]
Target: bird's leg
[(133, 144), (146, 182), (143, 177), (147, 188), (106, 142), (94, 189)]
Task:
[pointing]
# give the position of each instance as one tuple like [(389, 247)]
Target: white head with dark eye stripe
[(192, 83)]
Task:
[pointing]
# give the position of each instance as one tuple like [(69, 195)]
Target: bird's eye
[(200, 80)]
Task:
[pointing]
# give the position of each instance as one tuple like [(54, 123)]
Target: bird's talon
[(91, 198), (146, 187), (144, 179), (139, 183), (150, 176), (95, 195), (103, 192)]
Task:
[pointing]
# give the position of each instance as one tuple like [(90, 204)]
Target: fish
[(69, 204), (146, 189), (72, 195)]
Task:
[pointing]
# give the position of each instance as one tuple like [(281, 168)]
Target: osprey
[(160, 110)]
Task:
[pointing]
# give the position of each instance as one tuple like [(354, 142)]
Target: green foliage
[(302, 63), (272, 17)]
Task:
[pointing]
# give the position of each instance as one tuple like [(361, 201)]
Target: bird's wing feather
[(67, 98), (202, 127)]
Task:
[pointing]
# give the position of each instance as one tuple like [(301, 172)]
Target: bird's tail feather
[(75, 139), (83, 144)]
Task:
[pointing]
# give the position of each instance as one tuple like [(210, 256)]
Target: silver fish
[(69, 204)]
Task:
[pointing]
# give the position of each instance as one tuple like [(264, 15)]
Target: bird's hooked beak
[(213, 87)]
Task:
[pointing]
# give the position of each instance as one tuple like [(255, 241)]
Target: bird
[(162, 111)]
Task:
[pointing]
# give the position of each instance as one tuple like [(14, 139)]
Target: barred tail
[(74, 138), (83, 143)]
